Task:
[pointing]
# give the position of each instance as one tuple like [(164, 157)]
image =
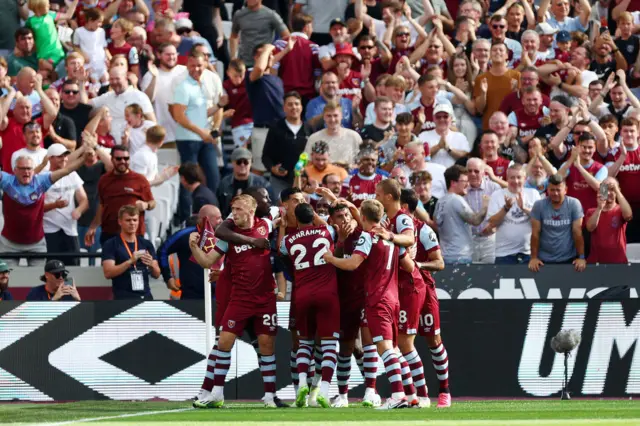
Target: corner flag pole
[(208, 322)]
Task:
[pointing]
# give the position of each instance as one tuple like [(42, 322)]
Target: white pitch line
[(120, 416)]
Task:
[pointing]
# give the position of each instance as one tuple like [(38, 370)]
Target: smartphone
[(68, 281), (604, 191), (604, 30)]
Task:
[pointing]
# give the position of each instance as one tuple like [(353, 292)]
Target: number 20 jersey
[(305, 246)]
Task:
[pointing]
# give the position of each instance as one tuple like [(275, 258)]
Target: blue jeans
[(206, 155), (82, 230), (513, 259)]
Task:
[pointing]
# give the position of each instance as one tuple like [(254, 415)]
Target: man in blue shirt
[(129, 259), (328, 92), (191, 275), (4, 281), (266, 94), (560, 18), (56, 285)]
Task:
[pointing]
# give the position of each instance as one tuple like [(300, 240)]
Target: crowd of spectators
[(516, 122)]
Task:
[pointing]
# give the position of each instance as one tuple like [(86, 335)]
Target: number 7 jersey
[(379, 271), (306, 246)]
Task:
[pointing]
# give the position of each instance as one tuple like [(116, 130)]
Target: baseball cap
[(544, 28), (241, 153), (4, 267), (443, 108), (184, 23), (57, 149), (563, 36), (54, 266), (337, 21), (344, 49)]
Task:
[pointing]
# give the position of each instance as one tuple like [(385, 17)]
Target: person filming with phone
[(608, 224), (128, 259), (58, 285)]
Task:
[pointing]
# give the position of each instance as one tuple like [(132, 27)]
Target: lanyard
[(126, 246)]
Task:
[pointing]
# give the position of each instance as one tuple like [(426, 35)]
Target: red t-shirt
[(396, 55), (250, 267), (608, 240), (429, 122), (513, 102), (362, 188), (350, 86), (379, 270), (107, 141), (299, 68), (115, 191), (13, 140), (499, 167), (528, 124), (629, 176), (578, 187), (238, 101)]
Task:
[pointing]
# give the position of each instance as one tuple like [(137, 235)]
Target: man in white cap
[(547, 33), (64, 202), (446, 146)]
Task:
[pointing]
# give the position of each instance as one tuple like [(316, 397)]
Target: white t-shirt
[(138, 136), (145, 162), (37, 156), (93, 44), (163, 97), (60, 219), (370, 113), (118, 103), (514, 233), (455, 140)]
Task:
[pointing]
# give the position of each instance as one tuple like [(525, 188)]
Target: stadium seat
[(84, 261), (633, 253), (226, 27), (229, 7)]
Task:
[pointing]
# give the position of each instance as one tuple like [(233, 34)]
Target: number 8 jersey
[(306, 246)]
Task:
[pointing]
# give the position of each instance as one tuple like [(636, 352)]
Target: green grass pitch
[(477, 413)]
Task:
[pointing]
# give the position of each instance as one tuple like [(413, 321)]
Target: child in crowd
[(563, 51), (145, 159), (120, 30), (134, 135), (43, 23), (91, 41), (236, 100)]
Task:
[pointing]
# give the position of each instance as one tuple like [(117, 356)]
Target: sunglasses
[(403, 34), (242, 162), (367, 47), (121, 158), (71, 92), (59, 275), (496, 27)]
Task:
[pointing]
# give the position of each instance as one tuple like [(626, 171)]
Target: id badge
[(137, 281)]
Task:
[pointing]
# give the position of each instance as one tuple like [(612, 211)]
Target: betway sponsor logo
[(630, 168), (240, 249), (527, 289), (362, 197), (612, 332)]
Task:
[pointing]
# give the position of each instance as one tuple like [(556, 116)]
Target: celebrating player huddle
[(365, 273)]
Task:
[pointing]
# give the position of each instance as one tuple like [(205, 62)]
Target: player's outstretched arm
[(225, 232), (347, 264), (204, 259)]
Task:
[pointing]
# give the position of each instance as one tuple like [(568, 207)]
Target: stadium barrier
[(142, 350), (455, 282)]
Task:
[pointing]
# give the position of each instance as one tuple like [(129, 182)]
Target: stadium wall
[(455, 282), (143, 350)]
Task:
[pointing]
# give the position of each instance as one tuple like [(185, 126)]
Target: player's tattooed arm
[(349, 264), (204, 259), (224, 232), (435, 262)]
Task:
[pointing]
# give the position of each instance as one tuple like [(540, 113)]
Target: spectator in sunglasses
[(57, 284), (239, 180), (498, 29), (73, 105)]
